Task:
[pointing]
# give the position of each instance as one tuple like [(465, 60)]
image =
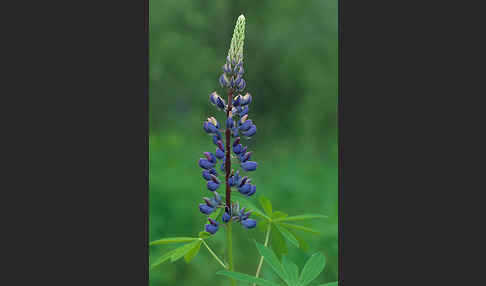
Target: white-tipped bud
[(243, 119), (213, 121), (235, 52)]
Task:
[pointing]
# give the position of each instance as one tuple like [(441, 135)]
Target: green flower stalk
[(235, 51)]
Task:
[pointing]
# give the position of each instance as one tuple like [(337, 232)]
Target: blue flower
[(209, 127), (223, 80), (226, 217), (245, 157), (211, 158), (205, 164), (250, 131), (246, 125), (249, 223), (213, 184), (205, 209), (237, 149), (227, 68), (212, 227), (249, 165), (241, 85), (244, 110), (219, 153)]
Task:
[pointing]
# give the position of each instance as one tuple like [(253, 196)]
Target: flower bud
[(212, 229), (249, 165), (237, 100), (244, 111), (237, 149), (210, 156), (251, 131), (245, 126), (249, 223), (229, 122), (236, 142), (216, 138), (243, 118), (206, 175), (205, 164), (220, 145), (205, 209), (245, 189), (245, 157), (246, 99), (215, 179), (219, 153), (227, 68), (209, 127), (223, 80), (241, 85), (220, 103), (212, 185), (252, 191), (226, 217)]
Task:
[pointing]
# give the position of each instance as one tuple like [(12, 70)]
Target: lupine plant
[(228, 165)]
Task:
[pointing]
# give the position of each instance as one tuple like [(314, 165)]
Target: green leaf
[(292, 271), (215, 215), (173, 240), (181, 251), (278, 242), (174, 254), (204, 234), (289, 236), (246, 278), (250, 206), (312, 268), (193, 252), (302, 243), (272, 260), (301, 217), (262, 225), (278, 214), (335, 283), (299, 227), (266, 205)]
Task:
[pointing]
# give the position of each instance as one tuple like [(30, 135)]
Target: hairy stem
[(214, 254), (229, 239), (227, 165), (261, 258)]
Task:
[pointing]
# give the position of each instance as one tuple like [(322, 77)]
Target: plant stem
[(214, 254), (261, 258), (227, 164), (229, 241)]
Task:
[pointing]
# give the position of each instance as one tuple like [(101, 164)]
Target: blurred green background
[(291, 64)]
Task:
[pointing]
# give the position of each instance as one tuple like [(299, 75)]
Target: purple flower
[(206, 175), (249, 223), (212, 185), (223, 80), (210, 156), (237, 149), (237, 100), (227, 68), (244, 110), (245, 157), (219, 153), (250, 131), (244, 189), (229, 122), (205, 164), (249, 165), (212, 227), (241, 85), (246, 125), (209, 127), (226, 217), (252, 191), (205, 209)]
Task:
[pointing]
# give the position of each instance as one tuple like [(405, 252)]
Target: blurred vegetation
[(291, 65)]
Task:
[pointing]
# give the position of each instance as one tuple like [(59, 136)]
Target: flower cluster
[(238, 126), (239, 215)]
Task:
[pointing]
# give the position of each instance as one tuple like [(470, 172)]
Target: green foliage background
[(291, 64)]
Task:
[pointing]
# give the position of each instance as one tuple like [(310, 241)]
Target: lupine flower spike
[(238, 126)]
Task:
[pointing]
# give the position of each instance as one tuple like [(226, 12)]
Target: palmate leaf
[(312, 268), (335, 283), (246, 278), (302, 243), (172, 240), (189, 256), (299, 227), (278, 242), (301, 217), (175, 254), (271, 259), (287, 235), (266, 205), (278, 214), (292, 271)]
